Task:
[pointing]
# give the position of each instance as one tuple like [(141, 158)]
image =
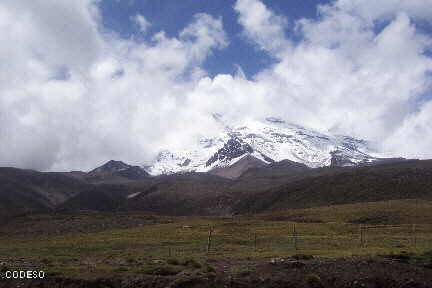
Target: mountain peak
[(119, 168), (111, 166), (270, 140), (232, 149)]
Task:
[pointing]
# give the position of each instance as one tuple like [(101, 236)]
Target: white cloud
[(68, 35), (346, 74), (119, 97), (262, 25), (141, 22), (205, 32), (413, 137), (384, 10), (73, 95)]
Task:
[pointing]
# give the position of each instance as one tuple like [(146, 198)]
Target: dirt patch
[(266, 273)]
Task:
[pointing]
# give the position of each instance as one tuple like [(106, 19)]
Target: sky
[(171, 17), (85, 81)]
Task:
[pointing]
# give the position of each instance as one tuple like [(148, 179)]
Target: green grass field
[(345, 230)]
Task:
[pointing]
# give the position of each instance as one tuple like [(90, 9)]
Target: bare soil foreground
[(277, 272)]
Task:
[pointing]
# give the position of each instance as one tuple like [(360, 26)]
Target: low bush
[(402, 256), (192, 263), (189, 280), (302, 257), (131, 260), (120, 269), (313, 280), (45, 261), (4, 268), (173, 261), (163, 270), (209, 268)]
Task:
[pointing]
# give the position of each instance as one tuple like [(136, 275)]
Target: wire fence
[(320, 239)]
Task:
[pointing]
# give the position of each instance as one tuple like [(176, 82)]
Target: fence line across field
[(409, 233)]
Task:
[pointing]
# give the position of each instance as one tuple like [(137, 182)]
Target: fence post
[(255, 242), (209, 239), (361, 236), (417, 221), (295, 236), (414, 240)]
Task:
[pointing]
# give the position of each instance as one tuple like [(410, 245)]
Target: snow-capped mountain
[(269, 140)]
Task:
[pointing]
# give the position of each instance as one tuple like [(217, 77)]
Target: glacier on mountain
[(270, 140)]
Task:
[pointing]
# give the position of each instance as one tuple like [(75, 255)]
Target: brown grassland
[(89, 245)]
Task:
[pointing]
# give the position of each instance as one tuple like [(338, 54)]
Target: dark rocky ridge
[(118, 169), (237, 169), (111, 166), (275, 186), (232, 149)]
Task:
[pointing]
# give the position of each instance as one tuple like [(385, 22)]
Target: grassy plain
[(129, 243)]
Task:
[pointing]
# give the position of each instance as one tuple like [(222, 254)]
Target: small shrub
[(120, 269), (302, 257), (192, 263), (131, 260), (209, 268), (313, 280), (54, 273), (188, 281), (403, 256), (428, 255), (4, 268), (45, 261), (173, 261), (242, 271), (163, 270)]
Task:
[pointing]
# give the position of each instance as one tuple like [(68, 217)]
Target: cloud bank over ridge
[(73, 94)]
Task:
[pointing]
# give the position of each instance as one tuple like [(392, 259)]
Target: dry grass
[(325, 231)]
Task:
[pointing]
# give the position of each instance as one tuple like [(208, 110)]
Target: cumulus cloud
[(206, 33), (383, 10), (262, 26), (141, 22), (361, 68), (92, 100), (73, 95), (414, 136)]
